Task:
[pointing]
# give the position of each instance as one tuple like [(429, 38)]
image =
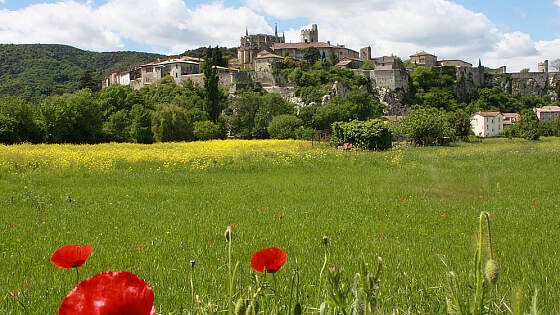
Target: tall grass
[(412, 206)]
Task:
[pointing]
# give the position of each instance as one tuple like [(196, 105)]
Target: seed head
[(492, 271), (228, 234), (325, 240), (297, 309), (241, 307)]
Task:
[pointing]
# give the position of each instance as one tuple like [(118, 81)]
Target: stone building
[(548, 113), (424, 59), (543, 66), (266, 61), (365, 53), (295, 50), (251, 45), (350, 63), (310, 35)]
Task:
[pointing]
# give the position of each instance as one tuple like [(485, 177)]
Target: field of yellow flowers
[(160, 211)]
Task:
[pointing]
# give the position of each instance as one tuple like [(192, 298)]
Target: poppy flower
[(110, 293), (140, 246), (26, 285), (15, 293), (71, 256), (270, 259)]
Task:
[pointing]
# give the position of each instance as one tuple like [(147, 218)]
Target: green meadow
[(416, 207)]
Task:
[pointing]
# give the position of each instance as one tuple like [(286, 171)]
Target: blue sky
[(515, 33)]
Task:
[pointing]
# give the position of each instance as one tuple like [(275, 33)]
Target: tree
[(461, 122), (424, 125), (170, 123), (117, 127), (72, 118), (141, 125), (524, 70), (17, 122), (207, 130), (87, 81), (212, 100), (367, 65), (529, 126), (311, 54), (357, 105), (373, 134), (284, 127)]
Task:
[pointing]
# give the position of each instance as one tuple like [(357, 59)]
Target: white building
[(487, 124)]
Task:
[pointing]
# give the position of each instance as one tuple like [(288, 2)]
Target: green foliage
[(212, 103), (284, 127), (36, 71), (460, 121), (425, 125), (357, 105), (117, 127), (171, 123), (485, 278), (367, 65), (226, 53), (529, 127), (311, 54), (524, 70), (251, 112), (550, 128), (368, 135), (17, 122), (72, 118), (141, 125), (207, 130)]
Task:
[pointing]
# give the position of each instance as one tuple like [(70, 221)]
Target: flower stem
[(77, 276)]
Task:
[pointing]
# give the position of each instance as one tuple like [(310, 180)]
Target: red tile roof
[(488, 114)]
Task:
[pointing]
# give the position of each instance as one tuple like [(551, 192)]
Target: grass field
[(413, 206)]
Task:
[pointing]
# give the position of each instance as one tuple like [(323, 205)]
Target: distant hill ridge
[(35, 71)]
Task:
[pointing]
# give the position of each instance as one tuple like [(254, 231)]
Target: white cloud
[(169, 24), (403, 27), (557, 2)]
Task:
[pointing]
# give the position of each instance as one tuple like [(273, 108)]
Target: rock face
[(524, 84), (393, 101)]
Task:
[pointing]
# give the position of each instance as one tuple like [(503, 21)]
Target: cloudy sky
[(516, 33)]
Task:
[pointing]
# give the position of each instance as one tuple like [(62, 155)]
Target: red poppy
[(140, 246), (26, 285), (110, 293), (402, 200), (280, 217), (15, 293), (378, 212), (536, 203), (270, 259), (382, 235), (209, 242), (71, 256), (260, 209), (12, 225), (485, 198)]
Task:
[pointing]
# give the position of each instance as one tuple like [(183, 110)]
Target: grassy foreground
[(414, 207)]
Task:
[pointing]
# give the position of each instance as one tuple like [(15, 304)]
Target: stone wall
[(394, 79), (529, 83)]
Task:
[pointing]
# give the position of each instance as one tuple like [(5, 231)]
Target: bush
[(284, 127), (550, 128), (369, 135), (207, 130), (425, 125), (17, 122), (170, 123)]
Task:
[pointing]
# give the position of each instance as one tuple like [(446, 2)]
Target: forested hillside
[(35, 71)]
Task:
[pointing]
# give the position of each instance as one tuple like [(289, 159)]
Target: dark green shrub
[(284, 127), (369, 135), (207, 130), (425, 125), (170, 123)]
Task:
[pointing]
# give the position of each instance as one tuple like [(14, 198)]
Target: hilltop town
[(258, 56)]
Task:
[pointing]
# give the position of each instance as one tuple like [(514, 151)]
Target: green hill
[(35, 71)]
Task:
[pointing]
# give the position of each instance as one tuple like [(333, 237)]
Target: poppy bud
[(228, 234), (241, 307), (192, 263), (492, 271), (297, 309), (325, 240)]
